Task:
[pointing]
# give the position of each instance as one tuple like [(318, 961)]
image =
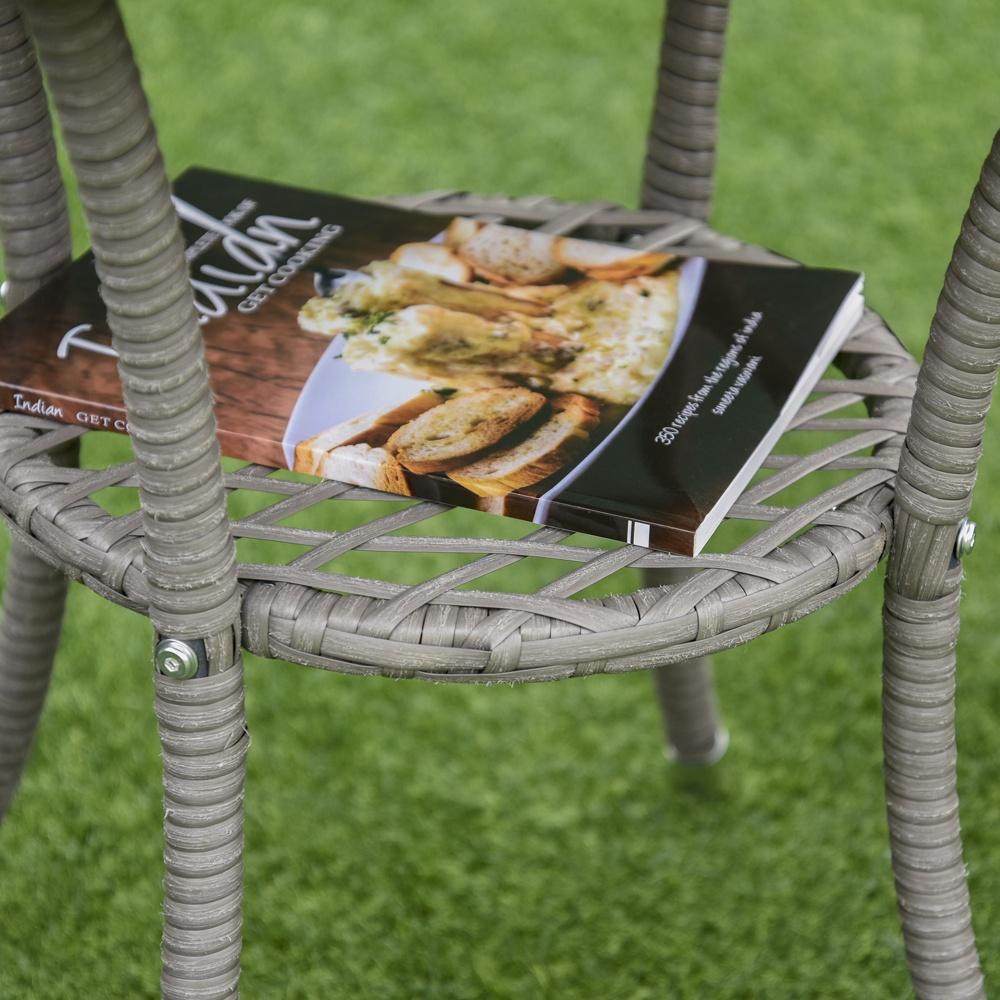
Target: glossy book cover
[(590, 386)]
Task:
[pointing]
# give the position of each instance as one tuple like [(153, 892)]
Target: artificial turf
[(410, 841)]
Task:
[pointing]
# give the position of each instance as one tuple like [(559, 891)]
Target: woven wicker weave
[(799, 557), (836, 491)]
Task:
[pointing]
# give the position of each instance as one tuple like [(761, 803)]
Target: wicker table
[(877, 473)]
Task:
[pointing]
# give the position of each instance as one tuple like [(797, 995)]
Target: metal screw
[(965, 541), (175, 659)]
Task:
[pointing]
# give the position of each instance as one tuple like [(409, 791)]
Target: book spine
[(65, 409), (561, 513)]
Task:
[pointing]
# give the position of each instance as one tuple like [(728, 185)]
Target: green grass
[(409, 841)]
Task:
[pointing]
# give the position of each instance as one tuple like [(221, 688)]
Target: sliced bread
[(453, 433), (362, 465), (460, 230), (608, 262), (541, 454), (506, 254), (366, 428), (432, 258)]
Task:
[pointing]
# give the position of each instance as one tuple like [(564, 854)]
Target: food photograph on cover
[(502, 358)]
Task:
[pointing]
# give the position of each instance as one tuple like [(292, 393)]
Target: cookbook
[(591, 386)]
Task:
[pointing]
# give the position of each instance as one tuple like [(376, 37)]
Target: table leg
[(33, 601), (686, 695), (204, 740), (922, 797)]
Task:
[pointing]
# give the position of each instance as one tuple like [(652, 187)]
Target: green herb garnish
[(373, 319)]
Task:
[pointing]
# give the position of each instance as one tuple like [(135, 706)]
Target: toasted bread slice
[(366, 428), (516, 256), (432, 258), (453, 433), (608, 262), (542, 453), (362, 465), (460, 230), (309, 453)]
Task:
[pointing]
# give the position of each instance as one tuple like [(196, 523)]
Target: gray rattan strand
[(799, 559), (189, 578), (205, 742), (937, 472), (34, 228), (139, 254), (680, 149)]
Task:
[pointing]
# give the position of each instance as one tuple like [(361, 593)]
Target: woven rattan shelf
[(882, 457), (799, 558)]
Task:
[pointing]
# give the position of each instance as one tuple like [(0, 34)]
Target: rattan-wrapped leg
[(33, 601), (686, 695), (204, 740), (34, 230), (680, 152), (921, 795)]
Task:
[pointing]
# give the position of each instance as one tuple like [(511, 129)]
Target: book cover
[(585, 385)]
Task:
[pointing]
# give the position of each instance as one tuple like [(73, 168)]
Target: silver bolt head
[(175, 659), (965, 542)]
